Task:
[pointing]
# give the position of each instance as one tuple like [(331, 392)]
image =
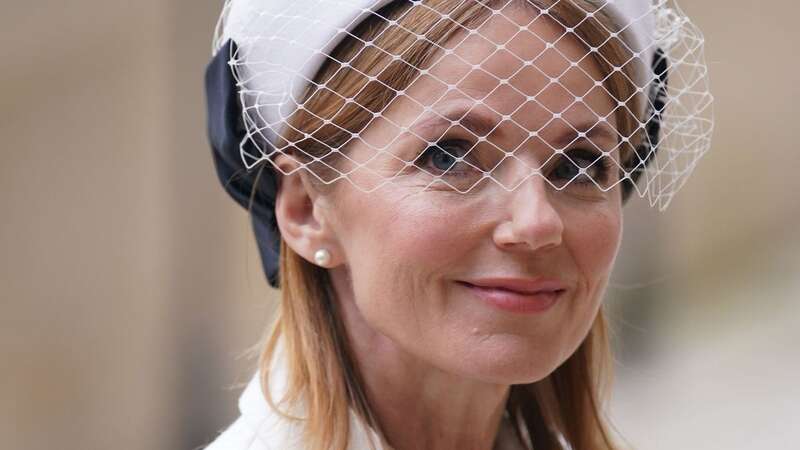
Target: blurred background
[(131, 286)]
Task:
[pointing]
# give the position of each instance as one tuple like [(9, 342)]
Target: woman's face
[(415, 249)]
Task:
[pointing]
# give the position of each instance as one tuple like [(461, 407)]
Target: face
[(417, 249)]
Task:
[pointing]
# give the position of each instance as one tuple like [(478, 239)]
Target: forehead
[(519, 67)]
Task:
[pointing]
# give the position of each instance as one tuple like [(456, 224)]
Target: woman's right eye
[(444, 157)]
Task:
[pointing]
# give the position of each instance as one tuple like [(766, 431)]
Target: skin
[(437, 361)]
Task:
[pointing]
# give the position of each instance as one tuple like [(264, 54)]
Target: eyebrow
[(475, 122), (590, 129), (482, 125)]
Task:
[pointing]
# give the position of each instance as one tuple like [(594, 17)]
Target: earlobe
[(298, 211)]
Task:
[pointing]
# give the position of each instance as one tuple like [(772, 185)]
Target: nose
[(533, 222)]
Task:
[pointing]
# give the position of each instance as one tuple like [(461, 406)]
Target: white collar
[(276, 431)]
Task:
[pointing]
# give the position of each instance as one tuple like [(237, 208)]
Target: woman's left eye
[(568, 170), (443, 156)]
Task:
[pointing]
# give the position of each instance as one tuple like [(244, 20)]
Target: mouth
[(518, 296)]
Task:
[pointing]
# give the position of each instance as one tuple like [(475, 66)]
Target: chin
[(514, 374), (512, 363)]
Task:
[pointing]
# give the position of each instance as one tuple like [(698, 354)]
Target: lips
[(517, 294), (521, 286)]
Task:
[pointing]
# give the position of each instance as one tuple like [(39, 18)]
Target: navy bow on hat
[(226, 132)]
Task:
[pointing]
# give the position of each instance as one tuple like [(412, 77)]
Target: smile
[(529, 301)]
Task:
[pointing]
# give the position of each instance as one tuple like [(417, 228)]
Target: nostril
[(527, 238)]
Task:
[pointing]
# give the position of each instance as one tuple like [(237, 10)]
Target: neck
[(428, 409), (419, 406)]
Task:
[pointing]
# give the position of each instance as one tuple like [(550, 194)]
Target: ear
[(301, 212)]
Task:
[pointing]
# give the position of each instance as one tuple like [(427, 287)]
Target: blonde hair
[(565, 409)]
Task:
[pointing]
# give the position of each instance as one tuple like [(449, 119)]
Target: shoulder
[(258, 427), (238, 436)]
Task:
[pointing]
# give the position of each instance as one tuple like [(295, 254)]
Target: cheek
[(397, 249), (593, 240), (399, 252)]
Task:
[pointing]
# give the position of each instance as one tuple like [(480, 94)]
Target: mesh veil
[(589, 95)]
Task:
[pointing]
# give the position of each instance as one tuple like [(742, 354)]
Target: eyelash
[(579, 155)]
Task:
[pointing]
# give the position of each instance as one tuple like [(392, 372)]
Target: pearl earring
[(322, 257)]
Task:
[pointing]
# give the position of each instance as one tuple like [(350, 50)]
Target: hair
[(563, 410)]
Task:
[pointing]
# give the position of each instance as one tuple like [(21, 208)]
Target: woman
[(439, 197)]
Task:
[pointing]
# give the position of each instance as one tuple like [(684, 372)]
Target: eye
[(567, 169), (443, 156)]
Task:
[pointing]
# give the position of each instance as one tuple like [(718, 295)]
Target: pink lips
[(520, 295)]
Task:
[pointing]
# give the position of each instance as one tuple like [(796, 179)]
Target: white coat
[(261, 428)]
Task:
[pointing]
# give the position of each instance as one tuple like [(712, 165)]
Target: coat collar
[(284, 433), (277, 432)]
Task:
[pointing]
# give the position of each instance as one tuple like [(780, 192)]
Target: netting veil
[(586, 94)]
